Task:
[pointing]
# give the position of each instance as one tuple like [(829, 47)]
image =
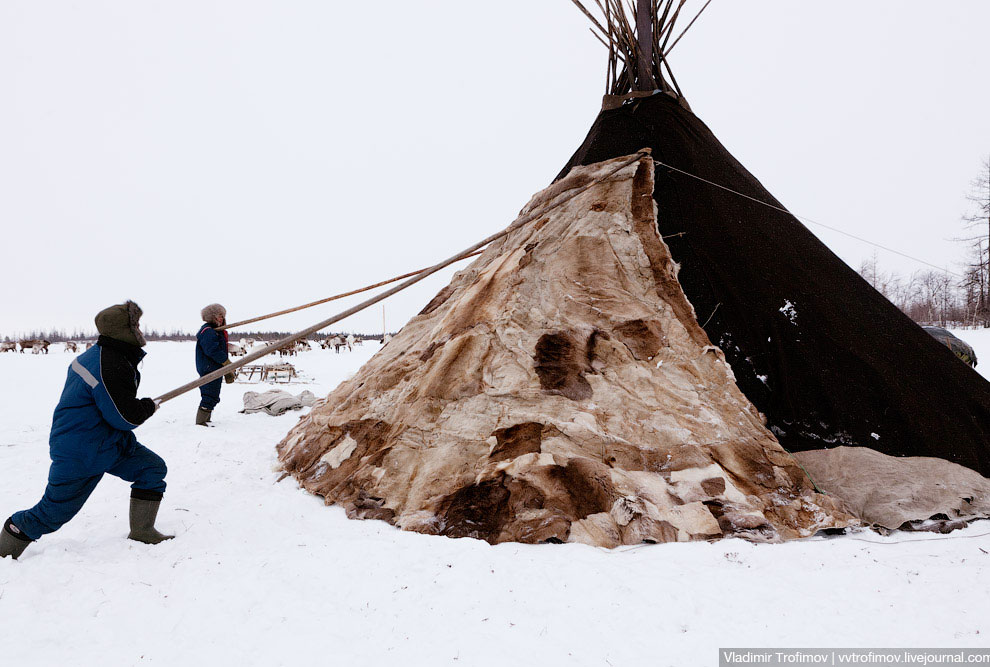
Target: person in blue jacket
[(211, 355), (93, 434)]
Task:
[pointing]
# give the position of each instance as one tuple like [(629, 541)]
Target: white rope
[(806, 219)]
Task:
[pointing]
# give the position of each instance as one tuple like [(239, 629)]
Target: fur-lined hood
[(213, 314)]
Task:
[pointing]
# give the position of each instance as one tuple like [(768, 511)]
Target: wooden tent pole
[(644, 36), (292, 338), (330, 298)]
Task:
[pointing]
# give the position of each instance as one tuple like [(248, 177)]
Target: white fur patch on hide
[(340, 453)]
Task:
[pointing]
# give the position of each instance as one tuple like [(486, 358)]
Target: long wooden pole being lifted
[(644, 37), (268, 349), (330, 298)]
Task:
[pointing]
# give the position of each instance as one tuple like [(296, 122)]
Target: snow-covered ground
[(261, 573), (980, 340)]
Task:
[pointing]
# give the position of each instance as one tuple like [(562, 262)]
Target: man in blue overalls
[(93, 434)]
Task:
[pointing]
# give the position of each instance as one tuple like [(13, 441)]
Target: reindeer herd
[(235, 349), (340, 342), (38, 346), (335, 342)]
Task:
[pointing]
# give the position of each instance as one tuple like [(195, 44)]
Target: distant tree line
[(928, 297), (935, 297)]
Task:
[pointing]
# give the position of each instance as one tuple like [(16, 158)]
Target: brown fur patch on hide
[(534, 517), (589, 485), (433, 347), (370, 437), (539, 508), (714, 486), (527, 257), (644, 338), (747, 466), (576, 490), (560, 366), (366, 506), (525, 438), (477, 511)]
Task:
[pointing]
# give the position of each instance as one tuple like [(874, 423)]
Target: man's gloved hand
[(152, 403), (229, 377)]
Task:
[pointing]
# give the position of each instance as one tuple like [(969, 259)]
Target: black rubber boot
[(203, 417), (12, 541), (143, 515)]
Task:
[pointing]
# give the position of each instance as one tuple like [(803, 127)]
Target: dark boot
[(203, 417), (143, 514), (12, 541)]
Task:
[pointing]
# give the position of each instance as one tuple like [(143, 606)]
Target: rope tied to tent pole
[(519, 222)]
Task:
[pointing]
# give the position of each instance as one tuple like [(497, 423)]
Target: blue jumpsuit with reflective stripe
[(91, 436)]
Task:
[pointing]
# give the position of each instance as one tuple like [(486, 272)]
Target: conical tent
[(666, 356), (560, 389)]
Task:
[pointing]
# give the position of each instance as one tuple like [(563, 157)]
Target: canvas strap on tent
[(292, 338), (332, 298)]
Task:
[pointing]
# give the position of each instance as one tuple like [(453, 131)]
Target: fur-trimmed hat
[(213, 313), (122, 322)]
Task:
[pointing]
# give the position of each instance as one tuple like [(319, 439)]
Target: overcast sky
[(265, 154)]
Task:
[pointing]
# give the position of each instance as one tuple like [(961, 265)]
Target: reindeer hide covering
[(559, 389)]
